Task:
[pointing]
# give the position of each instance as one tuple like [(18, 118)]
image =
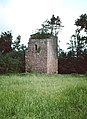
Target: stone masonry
[(41, 55)]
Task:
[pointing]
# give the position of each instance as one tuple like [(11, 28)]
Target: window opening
[(35, 47)]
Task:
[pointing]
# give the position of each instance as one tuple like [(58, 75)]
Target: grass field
[(42, 96)]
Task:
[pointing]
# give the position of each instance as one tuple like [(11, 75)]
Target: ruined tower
[(41, 55)]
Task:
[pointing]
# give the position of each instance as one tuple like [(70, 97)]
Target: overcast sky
[(25, 16)]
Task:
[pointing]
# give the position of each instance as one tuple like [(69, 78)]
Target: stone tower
[(41, 55)]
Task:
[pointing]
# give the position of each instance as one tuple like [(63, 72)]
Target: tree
[(5, 42), (17, 46), (19, 51), (72, 46), (53, 25), (78, 42), (81, 22), (62, 54), (16, 43), (78, 45), (12, 54)]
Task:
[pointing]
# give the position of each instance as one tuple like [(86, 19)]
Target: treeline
[(75, 60), (68, 65), (12, 53)]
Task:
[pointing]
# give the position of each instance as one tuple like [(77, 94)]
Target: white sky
[(25, 16)]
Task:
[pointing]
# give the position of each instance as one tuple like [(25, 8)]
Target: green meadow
[(43, 96)]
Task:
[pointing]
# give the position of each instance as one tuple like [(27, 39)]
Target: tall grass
[(42, 96)]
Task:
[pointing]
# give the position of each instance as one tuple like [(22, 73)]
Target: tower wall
[(41, 55), (52, 58), (36, 55)]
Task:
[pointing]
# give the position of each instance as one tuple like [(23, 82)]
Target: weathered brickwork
[(41, 55), (52, 58)]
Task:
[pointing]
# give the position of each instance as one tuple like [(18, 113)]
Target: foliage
[(78, 42), (81, 22), (69, 65), (17, 46), (76, 58), (41, 96), (76, 45), (12, 62), (61, 53), (12, 55), (49, 28), (53, 25), (5, 42)]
